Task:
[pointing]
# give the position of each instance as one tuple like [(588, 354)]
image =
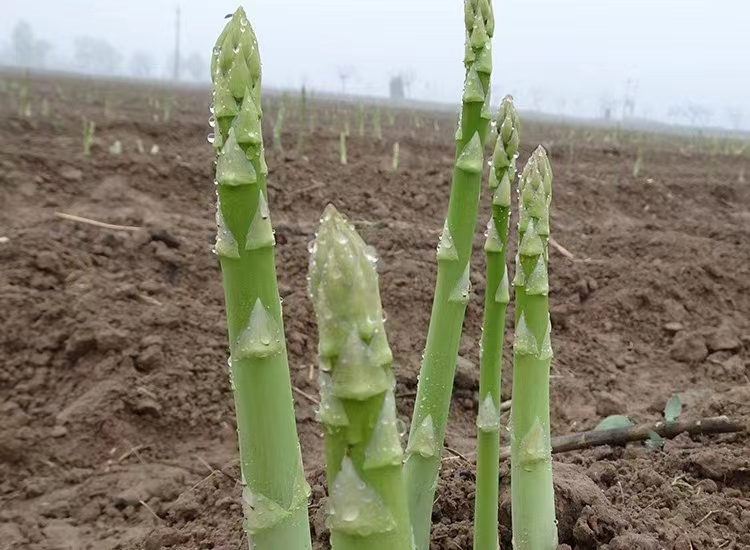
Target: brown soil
[(116, 419)]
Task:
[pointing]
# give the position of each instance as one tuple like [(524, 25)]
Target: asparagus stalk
[(361, 120), (302, 119), (367, 503), (278, 126), (89, 127), (452, 287), (502, 174), (533, 499), (376, 127), (274, 488), (24, 97), (394, 160), (342, 148)]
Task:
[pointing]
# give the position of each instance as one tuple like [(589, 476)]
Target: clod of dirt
[(724, 338), (163, 537), (608, 404), (166, 237), (79, 344), (731, 368), (603, 473), (111, 339), (633, 541), (71, 174), (185, 508), (149, 359), (146, 406), (688, 347)]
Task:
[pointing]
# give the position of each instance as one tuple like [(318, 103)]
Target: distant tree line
[(93, 55)]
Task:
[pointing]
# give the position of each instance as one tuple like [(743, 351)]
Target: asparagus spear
[(367, 503), (533, 499), (342, 148), (274, 488), (502, 174), (89, 127), (452, 287), (278, 125)]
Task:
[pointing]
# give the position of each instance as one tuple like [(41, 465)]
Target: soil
[(116, 416)]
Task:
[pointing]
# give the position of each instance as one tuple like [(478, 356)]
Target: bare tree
[(396, 87), (409, 79), (735, 116), (698, 115), (141, 65), (608, 107), (628, 104), (345, 73), (95, 55), (693, 114), (27, 50)]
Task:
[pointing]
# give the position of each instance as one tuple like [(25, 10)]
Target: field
[(116, 414)]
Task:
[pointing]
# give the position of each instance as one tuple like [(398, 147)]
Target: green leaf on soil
[(654, 441), (614, 422), (673, 409)]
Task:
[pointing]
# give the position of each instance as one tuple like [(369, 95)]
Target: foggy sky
[(556, 55)]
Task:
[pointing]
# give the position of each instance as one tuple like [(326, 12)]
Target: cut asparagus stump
[(502, 174), (367, 506), (452, 287), (533, 499), (275, 492)]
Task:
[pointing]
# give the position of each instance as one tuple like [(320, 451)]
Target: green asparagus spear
[(452, 287), (274, 488), (367, 503), (502, 174), (533, 499), (342, 148), (278, 125)]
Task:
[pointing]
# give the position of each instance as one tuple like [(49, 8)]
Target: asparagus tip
[(343, 282)]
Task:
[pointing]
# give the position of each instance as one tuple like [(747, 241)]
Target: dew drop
[(212, 121), (211, 138), (350, 514), (401, 426)]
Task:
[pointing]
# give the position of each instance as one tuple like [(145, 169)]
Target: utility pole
[(177, 46)]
